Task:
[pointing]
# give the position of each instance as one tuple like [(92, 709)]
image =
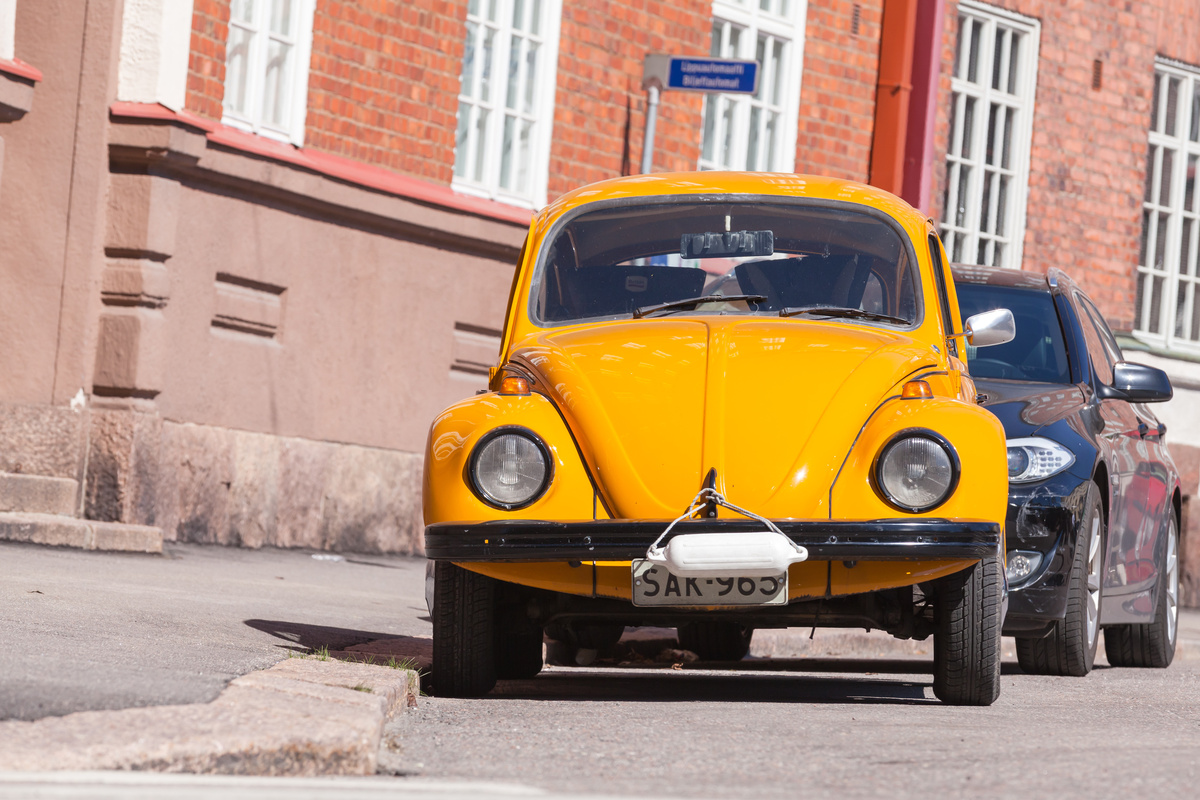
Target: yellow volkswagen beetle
[(724, 401)]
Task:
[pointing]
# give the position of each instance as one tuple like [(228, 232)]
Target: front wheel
[(966, 642), (1070, 647), (1151, 644), (464, 632)]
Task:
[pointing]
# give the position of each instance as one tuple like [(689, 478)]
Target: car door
[(1138, 492)]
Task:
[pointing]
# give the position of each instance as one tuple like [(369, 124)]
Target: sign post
[(688, 74)]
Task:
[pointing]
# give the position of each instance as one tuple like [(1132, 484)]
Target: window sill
[(336, 167), (17, 80)]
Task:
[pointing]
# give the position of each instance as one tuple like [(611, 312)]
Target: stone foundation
[(211, 485)]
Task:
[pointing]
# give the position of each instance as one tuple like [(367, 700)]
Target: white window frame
[(749, 16), (1176, 277), (541, 115), (297, 95), (962, 239)]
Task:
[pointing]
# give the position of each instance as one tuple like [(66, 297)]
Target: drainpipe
[(889, 144), (922, 105)]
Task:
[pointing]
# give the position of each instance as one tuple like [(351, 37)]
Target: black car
[(1094, 498)]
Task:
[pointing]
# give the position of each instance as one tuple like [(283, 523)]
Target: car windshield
[(766, 257), (1037, 353)]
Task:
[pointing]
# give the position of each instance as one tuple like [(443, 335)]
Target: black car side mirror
[(1137, 383)]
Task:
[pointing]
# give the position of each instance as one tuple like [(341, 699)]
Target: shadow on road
[(306, 638), (680, 686)]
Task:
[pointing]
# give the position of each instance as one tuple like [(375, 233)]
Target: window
[(991, 116), (266, 67), (756, 132), (1168, 303), (506, 100)]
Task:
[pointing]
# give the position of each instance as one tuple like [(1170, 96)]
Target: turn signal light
[(514, 385), (915, 389)]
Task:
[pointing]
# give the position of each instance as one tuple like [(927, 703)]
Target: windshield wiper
[(695, 301), (839, 311)]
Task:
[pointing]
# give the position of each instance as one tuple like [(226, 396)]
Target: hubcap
[(1093, 581), (1172, 583)]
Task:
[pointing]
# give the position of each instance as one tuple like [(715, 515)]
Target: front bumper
[(624, 540), (1044, 517)]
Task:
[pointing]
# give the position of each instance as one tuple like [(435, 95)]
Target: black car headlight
[(1034, 458), (916, 471), (510, 468)]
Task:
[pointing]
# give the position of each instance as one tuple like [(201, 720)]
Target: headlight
[(510, 468), (916, 471), (1035, 458)]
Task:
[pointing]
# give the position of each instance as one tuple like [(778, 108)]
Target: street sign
[(685, 73), (691, 74)]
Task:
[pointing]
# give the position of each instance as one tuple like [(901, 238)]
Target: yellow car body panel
[(790, 412)]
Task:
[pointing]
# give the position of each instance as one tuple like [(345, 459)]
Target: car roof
[(1000, 276), (751, 184)]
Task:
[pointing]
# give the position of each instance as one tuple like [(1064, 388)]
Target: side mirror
[(1137, 383), (990, 327)]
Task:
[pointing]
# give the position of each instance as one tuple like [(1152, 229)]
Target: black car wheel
[(966, 642), (464, 632), (1070, 647), (716, 641), (1151, 644)]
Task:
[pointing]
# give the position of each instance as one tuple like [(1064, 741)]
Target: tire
[(966, 642), (464, 632), (716, 641), (1151, 644), (1070, 647)]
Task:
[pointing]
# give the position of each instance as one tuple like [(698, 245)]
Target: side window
[(1106, 335), (938, 257), (1092, 323)]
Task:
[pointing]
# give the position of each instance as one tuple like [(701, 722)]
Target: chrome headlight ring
[(916, 470), (510, 468)]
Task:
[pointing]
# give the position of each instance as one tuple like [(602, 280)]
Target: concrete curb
[(84, 534), (301, 717)]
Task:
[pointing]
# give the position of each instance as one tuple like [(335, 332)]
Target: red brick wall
[(837, 92), (599, 114), (1088, 155), (383, 86), (206, 63)]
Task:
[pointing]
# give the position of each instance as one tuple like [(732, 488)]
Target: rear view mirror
[(990, 327), (727, 245), (1137, 383)]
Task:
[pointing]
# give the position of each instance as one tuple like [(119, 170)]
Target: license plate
[(653, 585)]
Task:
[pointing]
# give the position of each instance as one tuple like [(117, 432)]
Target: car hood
[(773, 405), (1024, 408)]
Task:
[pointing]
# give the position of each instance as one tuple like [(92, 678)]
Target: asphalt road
[(82, 631), (110, 630)]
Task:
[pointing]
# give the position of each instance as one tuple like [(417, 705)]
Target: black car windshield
[(764, 256), (1037, 353)]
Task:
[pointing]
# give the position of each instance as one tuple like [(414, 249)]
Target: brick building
[(248, 248)]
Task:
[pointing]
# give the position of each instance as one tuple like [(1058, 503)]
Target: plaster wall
[(155, 42), (55, 171), (364, 324)]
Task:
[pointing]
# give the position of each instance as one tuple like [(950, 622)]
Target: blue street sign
[(712, 75)]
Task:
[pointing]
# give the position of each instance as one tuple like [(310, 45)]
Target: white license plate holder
[(654, 585)]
